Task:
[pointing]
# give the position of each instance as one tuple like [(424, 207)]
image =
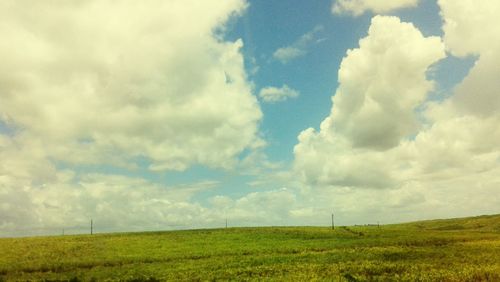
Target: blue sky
[(267, 26), (173, 114)]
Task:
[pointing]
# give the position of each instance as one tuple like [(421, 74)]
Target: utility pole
[(333, 223), (91, 227), (226, 222)]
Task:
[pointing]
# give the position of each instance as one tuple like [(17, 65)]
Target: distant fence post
[(91, 227), (333, 223)]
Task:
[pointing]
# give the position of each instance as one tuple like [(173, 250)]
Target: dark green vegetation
[(441, 250)]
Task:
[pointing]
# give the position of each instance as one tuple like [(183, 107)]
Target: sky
[(179, 114)]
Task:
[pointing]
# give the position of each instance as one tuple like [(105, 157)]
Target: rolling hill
[(464, 249)]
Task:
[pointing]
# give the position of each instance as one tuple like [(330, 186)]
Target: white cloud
[(117, 84), (384, 78), (475, 21), (380, 85), (271, 207), (297, 48), (415, 200), (358, 7), (273, 94), (116, 203), (110, 82), (446, 165), (443, 163), (471, 29)]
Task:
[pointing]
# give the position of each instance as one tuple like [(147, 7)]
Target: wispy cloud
[(358, 7), (299, 47), (274, 94)]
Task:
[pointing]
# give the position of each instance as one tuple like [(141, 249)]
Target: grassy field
[(440, 250)]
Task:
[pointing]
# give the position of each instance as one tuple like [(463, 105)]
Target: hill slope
[(438, 250), (478, 223)]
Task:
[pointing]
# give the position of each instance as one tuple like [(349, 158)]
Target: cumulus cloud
[(116, 84), (273, 94), (467, 124), (261, 208), (115, 202), (467, 35), (459, 24), (358, 7), (299, 47), (380, 85), (107, 82), (77, 91), (415, 200), (440, 158), (382, 79)]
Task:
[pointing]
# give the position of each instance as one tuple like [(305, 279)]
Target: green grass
[(440, 250)]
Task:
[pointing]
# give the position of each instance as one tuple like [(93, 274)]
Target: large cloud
[(447, 166), (441, 158), (467, 124), (471, 29), (107, 81), (384, 78), (465, 129), (107, 84), (114, 202), (380, 85), (358, 7)]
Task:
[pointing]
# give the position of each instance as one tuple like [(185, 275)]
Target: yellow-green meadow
[(466, 249)]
